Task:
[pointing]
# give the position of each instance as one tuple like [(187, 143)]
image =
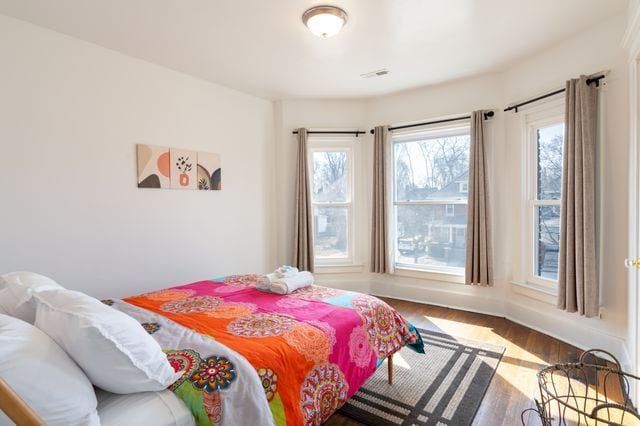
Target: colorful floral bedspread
[(311, 350), (218, 384)]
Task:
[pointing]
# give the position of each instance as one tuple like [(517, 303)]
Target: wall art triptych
[(162, 167)]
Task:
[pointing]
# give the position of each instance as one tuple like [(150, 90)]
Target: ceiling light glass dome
[(324, 21)]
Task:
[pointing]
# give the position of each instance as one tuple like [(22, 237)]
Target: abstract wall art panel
[(183, 169), (209, 172), (153, 166), (162, 167)]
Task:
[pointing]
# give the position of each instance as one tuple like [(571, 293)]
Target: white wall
[(70, 115), (319, 114), (452, 99), (595, 50), (598, 49), (632, 45)]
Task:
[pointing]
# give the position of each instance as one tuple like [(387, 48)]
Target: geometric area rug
[(443, 386)]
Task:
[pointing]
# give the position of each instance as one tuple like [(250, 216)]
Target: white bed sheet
[(143, 408)]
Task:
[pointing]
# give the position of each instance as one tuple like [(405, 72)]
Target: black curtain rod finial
[(333, 132), (515, 107), (487, 114)]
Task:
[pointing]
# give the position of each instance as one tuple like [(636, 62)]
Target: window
[(431, 174), (546, 143), (331, 169), (450, 210)]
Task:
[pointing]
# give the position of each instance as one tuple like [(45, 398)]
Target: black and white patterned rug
[(444, 386)]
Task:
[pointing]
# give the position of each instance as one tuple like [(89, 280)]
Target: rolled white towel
[(286, 271), (289, 285), (264, 282)]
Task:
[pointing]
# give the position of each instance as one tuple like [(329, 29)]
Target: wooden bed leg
[(16, 409), (390, 368)]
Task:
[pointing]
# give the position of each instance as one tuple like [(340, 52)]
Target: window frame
[(432, 132), (552, 114), (453, 209), (334, 143)]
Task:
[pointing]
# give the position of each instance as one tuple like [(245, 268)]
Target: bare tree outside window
[(549, 150), (330, 199), (431, 177), (549, 147)]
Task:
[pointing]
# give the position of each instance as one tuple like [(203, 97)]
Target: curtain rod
[(515, 107), (333, 132), (446, 120)]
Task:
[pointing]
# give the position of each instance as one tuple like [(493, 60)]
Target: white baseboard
[(569, 331), (475, 311), (551, 322), (358, 284), (442, 305), (455, 296)]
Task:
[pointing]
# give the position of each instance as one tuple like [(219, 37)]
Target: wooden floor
[(514, 385)]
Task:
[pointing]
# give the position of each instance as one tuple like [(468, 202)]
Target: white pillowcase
[(16, 293), (112, 348), (44, 376)]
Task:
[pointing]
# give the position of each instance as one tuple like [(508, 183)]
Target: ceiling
[(261, 46)]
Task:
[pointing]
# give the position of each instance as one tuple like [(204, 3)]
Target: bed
[(253, 357), (161, 408)]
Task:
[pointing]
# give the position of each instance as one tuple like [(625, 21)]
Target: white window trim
[(548, 114), (429, 275), (436, 273), (339, 144)]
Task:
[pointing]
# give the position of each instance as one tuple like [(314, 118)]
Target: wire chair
[(589, 392)]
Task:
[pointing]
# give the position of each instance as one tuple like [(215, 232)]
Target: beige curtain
[(380, 218), (577, 281), (303, 236), (479, 260)]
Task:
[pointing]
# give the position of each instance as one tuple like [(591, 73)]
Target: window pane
[(431, 235), (330, 176), (547, 241), (549, 147), (432, 169), (331, 232)]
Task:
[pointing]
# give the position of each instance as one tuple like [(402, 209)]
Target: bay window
[(431, 174), (331, 167), (545, 135)]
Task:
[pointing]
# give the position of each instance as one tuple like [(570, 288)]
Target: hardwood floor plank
[(514, 385)]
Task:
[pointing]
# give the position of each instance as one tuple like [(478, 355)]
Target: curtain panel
[(303, 256), (380, 241), (479, 255), (577, 281)]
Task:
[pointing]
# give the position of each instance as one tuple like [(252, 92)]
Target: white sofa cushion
[(16, 293), (112, 348), (43, 375)]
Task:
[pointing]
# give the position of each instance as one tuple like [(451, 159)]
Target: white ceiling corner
[(262, 48)]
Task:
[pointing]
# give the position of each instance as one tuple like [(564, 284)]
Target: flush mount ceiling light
[(324, 21)]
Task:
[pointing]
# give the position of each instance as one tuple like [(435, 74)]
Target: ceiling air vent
[(377, 73)]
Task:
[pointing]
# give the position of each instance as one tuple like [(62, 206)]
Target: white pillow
[(112, 348), (44, 376), (16, 293)]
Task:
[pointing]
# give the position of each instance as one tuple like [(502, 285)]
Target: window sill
[(338, 268), (445, 276), (535, 291), (551, 291)]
